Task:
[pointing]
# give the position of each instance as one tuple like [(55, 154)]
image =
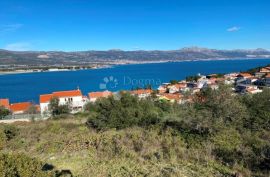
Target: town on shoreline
[(21, 69), (180, 92)]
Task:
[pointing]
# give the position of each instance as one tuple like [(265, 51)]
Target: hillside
[(221, 135), (119, 56), (69, 144)]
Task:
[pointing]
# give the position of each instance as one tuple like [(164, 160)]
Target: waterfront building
[(73, 98), (93, 96)]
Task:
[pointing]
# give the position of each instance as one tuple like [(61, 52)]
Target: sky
[(76, 25)]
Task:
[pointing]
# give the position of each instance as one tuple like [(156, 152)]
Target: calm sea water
[(28, 87)]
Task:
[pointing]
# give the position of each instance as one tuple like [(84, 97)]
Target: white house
[(141, 93), (73, 98)]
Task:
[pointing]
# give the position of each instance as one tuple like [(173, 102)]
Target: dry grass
[(69, 144)]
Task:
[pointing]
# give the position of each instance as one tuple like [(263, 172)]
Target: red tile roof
[(71, 93), (24, 106), (245, 75), (5, 103), (179, 85), (172, 96), (268, 75), (100, 94), (45, 98), (141, 91), (265, 69)]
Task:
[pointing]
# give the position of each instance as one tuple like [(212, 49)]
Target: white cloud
[(19, 46), (10, 28), (234, 29)]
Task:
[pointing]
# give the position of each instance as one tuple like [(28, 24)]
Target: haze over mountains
[(118, 56)]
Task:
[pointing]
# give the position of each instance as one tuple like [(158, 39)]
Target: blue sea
[(28, 86)]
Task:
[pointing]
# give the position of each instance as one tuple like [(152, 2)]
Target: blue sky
[(72, 25)]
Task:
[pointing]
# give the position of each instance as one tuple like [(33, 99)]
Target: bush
[(228, 145), (57, 109), (126, 112), (9, 131), (3, 112), (259, 109), (2, 139), (21, 165)]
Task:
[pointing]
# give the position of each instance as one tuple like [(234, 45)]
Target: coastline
[(111, 65)]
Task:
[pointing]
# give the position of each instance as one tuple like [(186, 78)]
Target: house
[(20, 108), (177, 87), (202, 83), (244, 78), (171, 97), (213, 86), (192, 85), (162, 89), (212, 80), (141, 93), (244, 75), (93, 96), (173, 89), (230, 78), (4, 103), (253, 79), (73, 98), (229, 81), (244, 88), (265, 70), (259, 74)]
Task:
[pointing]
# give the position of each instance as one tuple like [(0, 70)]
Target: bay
[(28, 86)]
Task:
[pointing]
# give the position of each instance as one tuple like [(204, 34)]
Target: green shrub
[(56, 109), (10, 131), (259, 109), (21, 165), (2, 139), (3, 112), (127, 112)]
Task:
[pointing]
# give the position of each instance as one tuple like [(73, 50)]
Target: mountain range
[(119, 56)]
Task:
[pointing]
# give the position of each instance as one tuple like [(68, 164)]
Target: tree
[(32, 110), (259, 109), (193, 78), (221, 103), (173, 81), (22, 165), (56, 109), (126, 112), (3, 112)]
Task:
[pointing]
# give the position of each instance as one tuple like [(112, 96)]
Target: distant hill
[(114, 56)]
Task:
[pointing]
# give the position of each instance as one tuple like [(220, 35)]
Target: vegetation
[(220, 134), (21, 165), (3, 112), (56, 109), (174, 81), (126, 112), (192, 78)]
